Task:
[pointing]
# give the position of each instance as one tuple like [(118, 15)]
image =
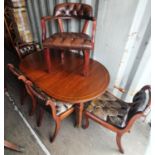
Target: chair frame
[(18, 74), (86, 52), (18, 46), (119, 131), (50, 103)]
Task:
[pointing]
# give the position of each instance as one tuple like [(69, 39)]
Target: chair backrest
[(141, 101), (77, 10), (25, 49)]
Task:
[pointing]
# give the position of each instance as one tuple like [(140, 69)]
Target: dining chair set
[(106, 109)]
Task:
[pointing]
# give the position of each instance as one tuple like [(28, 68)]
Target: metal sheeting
[(122, 41)]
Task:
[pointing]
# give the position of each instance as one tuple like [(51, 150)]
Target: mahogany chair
[(23, 92), (117, 115), (59, 110), (66, 41), (24, 49)]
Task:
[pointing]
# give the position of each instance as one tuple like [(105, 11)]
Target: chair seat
[(68, 40), (110, 109), (62, 107)]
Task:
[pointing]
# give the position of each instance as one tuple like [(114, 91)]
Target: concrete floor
[(95, 140)]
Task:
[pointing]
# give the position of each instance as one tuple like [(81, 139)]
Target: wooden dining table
[(65, 81)]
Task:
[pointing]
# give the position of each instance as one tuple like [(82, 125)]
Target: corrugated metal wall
[(38, 8), (122, 41)]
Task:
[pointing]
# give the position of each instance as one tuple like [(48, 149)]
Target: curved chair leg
[(86, 124), (33, 105), (23, 96), (40, 118), (34, 102), (118, 140), (62, 57), (57, 127)]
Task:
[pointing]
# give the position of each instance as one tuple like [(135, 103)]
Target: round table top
[(65, 82)]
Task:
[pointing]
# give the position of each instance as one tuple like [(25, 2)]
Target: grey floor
[(95, 140)]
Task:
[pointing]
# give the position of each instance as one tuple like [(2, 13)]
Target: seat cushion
[(110, 109), (62, 107), (68, 40)]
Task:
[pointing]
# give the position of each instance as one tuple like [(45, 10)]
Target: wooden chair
[(117, 115), (59, 110), (63, 41), (23, 91), (24, 49)]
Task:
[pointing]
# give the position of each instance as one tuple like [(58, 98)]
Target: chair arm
[(43, 25)]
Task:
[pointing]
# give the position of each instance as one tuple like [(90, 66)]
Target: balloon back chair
[(64, 41), (59, 110), (117, 115), (24, 91)]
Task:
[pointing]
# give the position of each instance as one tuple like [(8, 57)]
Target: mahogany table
[(65, 82)]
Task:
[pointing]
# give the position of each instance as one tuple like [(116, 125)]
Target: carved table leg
[(79, 113)]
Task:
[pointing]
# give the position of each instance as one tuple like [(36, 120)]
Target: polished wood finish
[(120, 131), (64, 82)]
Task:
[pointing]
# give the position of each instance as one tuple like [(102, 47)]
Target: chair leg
[(57, 127), (118, 140), (48, 59), (23, 96), (13, 146), (62, 57), (86, 124), (34, 103), (40, 118), (33, 106), (86, 62)]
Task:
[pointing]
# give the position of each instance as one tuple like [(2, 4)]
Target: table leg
[(79, 113)]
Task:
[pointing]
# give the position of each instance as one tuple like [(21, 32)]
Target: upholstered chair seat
[(110, 109), (116, 114), (68, 40), (61, 107)]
